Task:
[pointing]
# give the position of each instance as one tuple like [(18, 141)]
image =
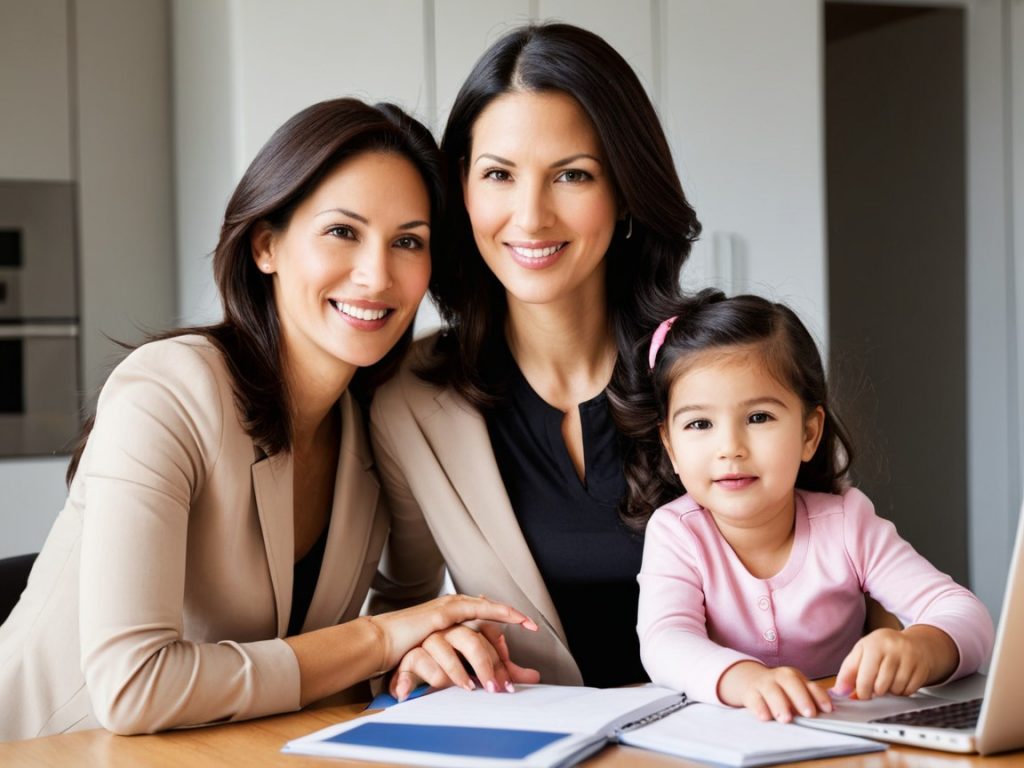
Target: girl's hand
[(895, 661), (439, 662), (772, 693)]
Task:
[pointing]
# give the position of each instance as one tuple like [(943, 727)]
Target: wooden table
[(258, 743)]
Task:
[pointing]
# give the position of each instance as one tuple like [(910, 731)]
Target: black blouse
[(588, 558), (306, 574)]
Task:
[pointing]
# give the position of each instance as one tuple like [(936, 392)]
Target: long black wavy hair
[(642, 270)]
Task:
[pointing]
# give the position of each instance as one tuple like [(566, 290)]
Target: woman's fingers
[(405, 629), (455, 609), (439, 646), (518, 674), (416, 666), (512, 671)]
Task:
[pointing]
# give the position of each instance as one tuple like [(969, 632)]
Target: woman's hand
[(896, 661), (403, 630), (772, 693), (439, 662), (333, 658)]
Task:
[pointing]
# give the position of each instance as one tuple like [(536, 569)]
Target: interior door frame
[(995, 283)]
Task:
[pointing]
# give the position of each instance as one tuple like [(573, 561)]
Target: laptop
[(977, 714)]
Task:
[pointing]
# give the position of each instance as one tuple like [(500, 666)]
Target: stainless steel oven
[(39, 371)]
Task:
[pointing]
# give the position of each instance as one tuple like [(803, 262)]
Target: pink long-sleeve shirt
[(701, 611)]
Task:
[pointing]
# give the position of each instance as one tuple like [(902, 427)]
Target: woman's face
[(352, 264), (540, 197)]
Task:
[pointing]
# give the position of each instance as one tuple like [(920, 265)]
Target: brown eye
[(574, 176), (409, 243), (342, 231)]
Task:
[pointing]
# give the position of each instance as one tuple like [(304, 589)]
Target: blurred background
[(862, 162)]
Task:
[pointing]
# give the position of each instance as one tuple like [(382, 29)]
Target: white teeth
[(535, 253), (358, 312)]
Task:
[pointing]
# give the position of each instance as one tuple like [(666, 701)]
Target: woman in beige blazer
[(504, 431), (224, 522)]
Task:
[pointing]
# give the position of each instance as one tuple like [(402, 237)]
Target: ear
[(814, 426), (261, 243), (663, 434)]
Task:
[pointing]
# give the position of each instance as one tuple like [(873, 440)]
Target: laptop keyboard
[(958, 714)]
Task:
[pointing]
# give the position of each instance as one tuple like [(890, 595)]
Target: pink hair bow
[(659, 338)]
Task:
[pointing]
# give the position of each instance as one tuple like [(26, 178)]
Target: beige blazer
[(435, 460), (165, 585)]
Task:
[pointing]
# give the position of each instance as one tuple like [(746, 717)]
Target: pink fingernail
[(530, 625), (491, 687), (509, 687)]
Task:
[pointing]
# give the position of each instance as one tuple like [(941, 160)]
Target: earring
[(629, 225), (265, 266)]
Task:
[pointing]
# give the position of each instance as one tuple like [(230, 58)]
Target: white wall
[(35, 129), (85, 97), (993, 327), (743, 105), (32, 492), (744, 118)]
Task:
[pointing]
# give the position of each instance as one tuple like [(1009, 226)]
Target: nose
[(372, 268), (533, 207), (731, 443)]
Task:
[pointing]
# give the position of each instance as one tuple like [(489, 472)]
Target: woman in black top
[(567, 250)]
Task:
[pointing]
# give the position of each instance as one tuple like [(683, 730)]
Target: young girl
[(753, 582)]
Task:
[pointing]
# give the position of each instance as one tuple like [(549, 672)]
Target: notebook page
[(736, 737), (569, 709)]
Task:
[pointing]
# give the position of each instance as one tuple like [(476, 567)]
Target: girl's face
[(351, 265), (737, 437), (540, 197)]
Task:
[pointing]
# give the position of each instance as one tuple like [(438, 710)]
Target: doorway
[(897, 244)]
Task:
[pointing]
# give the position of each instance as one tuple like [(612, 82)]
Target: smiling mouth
[(360, 313), (537, 253)]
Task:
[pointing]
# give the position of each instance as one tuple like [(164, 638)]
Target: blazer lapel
[(272, 486), (463, 447), (355, 505)]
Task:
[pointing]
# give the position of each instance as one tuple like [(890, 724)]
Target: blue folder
[(448, 739)]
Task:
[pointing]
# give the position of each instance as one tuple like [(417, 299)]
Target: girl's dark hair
[(707, 322), (642, 271), (283, 174)]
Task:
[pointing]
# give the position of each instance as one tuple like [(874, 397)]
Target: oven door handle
[(39, 331)]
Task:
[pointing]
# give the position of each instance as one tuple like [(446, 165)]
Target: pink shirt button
[(763, 603), (770, 635)]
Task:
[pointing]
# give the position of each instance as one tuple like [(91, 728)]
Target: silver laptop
[(976, 714)]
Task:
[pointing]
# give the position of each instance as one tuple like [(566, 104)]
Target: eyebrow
[(746, 404), (353, 215), (557, 164)]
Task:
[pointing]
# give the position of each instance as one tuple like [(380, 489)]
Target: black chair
[(13, 578)]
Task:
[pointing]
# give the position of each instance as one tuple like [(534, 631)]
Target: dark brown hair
[(642, 271), (709, 322), (285, 172)]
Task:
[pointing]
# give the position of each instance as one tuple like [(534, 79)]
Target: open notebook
[(544, 726), (973, 715)]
